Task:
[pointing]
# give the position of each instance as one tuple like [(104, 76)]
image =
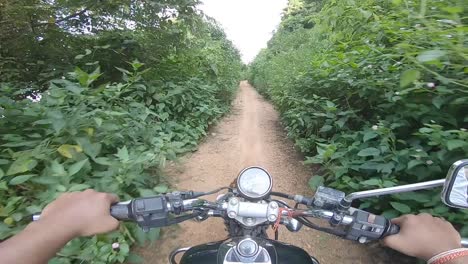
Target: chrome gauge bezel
[(244, 194)]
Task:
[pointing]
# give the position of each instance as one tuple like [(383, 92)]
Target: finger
[(64, 195), (392, 241), (426, 215), (112, 198), (111, 224), (399, 220), (114, 223)]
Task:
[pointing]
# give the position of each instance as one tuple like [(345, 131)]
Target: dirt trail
[(250, 135)]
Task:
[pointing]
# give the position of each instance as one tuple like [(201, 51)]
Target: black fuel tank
[(215, 253)]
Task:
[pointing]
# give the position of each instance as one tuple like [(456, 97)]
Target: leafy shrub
[(375, 92), (111, 139), (109, 125)]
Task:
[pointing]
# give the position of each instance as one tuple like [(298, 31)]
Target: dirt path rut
[(250, 135)]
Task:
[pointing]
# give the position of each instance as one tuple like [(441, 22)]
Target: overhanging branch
[(63, 19)]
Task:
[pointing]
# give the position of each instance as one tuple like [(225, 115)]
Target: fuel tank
[(247, 250)]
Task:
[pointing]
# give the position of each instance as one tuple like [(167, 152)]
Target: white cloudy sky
[(248, 23)]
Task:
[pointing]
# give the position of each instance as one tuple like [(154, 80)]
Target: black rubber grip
[(121, 211), (392, 229)]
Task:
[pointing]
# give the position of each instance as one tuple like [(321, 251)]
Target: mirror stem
[(392, 190)]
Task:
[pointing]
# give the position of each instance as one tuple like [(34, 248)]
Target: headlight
[(254, 183)]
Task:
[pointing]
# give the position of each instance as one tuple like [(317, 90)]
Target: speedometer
[(254, 183)]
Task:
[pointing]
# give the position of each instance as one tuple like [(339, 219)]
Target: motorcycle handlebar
[(130, 210), (121, 211), (153, 212), (328, 215), (392, 229)]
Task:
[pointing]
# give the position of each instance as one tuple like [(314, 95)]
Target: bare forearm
[(72, 215), (36, 244)]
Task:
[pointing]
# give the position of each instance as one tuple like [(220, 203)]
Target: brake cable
[(303, 220), (183, 218), (193, 195)]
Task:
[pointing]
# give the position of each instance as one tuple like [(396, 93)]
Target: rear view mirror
[(455, 193)]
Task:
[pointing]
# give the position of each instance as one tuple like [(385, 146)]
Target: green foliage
[(108, 139), (100, 94), (40, 41), (376, 92)]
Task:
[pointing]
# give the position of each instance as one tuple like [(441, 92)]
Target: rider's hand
[(423, 236), (82, 213)]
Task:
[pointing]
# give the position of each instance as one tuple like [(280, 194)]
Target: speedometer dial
[(254, 183)]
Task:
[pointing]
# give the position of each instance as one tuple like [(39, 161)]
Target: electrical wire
[(217, 190), (193, 195), (309, 224), (284, 195), (224, 197)]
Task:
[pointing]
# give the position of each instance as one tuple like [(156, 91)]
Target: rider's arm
[(424, 236), (71, 215)]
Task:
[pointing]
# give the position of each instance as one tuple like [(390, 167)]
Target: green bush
[(112, 139), (75, 114), (376, 93)]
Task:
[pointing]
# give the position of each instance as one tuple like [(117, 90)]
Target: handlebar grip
[(392, 229), (121, 211)]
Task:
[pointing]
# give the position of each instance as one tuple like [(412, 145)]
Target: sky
[(248, 23)]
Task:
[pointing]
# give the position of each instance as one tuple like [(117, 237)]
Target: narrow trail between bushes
[(250, 135)]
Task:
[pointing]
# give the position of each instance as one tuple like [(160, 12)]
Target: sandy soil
[(251, 135)]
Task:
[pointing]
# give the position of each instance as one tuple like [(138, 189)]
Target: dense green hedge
[(105, 110), (376, 92)]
